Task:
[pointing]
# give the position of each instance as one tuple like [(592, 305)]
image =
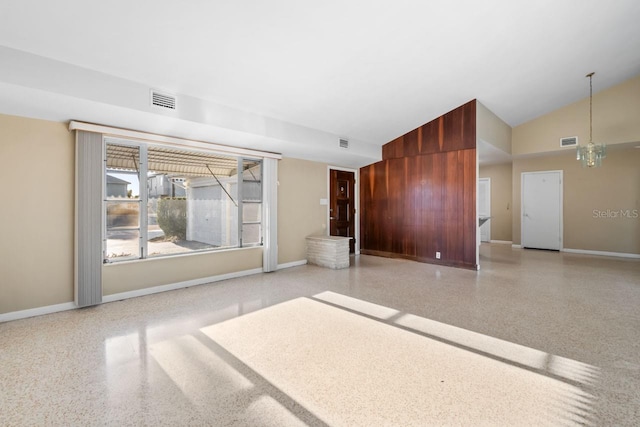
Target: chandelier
[(592, 154)]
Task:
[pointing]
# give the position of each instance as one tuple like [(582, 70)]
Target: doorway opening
[(484, 208)]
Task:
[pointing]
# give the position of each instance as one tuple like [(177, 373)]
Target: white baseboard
[(602, 253), (15, 315), (38, 311), (516, 246), (292, 264), (506, 242), (179, 285)]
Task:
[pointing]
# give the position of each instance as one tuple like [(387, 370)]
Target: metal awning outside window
[(174, 162)]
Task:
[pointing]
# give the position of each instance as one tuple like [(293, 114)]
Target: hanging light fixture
[(592, 154)]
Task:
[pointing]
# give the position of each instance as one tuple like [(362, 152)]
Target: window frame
[(242, 201), (142, 201)]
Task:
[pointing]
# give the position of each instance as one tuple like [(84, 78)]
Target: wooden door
[(342, 205)]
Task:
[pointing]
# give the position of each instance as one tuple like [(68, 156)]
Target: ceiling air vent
[(344, 143), (569, 141), (163, 100)]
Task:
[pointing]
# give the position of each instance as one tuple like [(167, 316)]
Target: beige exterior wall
[(501, 199), (616, 113), (301, 185), (491, 129), (36, 248), (129, 276), (588, 194)]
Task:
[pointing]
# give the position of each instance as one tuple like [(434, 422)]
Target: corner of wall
[(492, 129)]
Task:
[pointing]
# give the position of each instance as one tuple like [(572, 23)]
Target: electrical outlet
[(437, 255)]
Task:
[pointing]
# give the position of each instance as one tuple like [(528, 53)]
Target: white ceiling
[(366, 70)]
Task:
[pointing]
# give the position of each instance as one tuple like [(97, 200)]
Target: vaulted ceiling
[(295, 76)]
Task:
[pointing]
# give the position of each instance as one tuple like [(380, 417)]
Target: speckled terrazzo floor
[(534, 338)]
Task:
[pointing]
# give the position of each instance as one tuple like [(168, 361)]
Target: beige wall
[(491, 129), (37, 165), (501, 199), (301, 185), (36, 241), (614, 186), (129, 276), (616, 113)]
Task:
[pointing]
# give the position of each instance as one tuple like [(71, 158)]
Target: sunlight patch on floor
[(196, 370), (349, 369), (364, 307), (536, 359), (265, 411)]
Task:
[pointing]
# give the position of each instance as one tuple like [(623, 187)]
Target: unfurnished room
[(286, 213)]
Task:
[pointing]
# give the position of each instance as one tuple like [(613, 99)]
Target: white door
[(484, 208), (542, 210)]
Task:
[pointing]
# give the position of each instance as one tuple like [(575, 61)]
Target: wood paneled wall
[(421, 198)]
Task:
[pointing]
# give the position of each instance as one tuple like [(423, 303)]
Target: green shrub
[(172, 217)]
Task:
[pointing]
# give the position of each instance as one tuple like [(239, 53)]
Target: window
[(251, 202), (162, 200), (123, 202)]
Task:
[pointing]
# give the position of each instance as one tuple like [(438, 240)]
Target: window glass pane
[(123, 214), (251, 223), (123, 244), (251, 234), (251, 212), (122, 205), (123, 166), (192, 201), (251, 202), (252, 180)]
